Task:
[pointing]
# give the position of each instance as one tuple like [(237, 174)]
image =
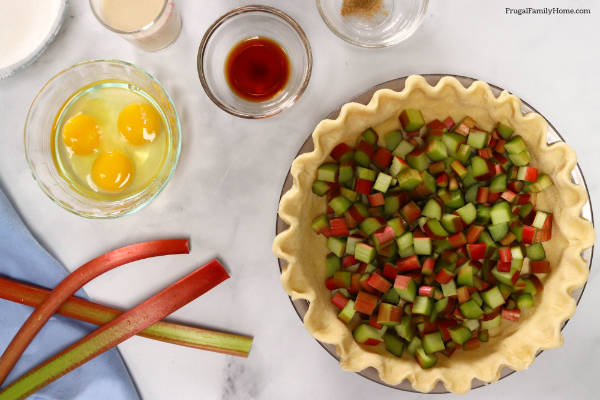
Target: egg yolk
[(81, 134), (139, 123), (112, 171)]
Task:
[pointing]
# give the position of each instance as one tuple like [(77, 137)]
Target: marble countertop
[(225, 191)]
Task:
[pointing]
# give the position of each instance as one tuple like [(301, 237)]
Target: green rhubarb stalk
[(73, 282), (98, 314), (120, 329)]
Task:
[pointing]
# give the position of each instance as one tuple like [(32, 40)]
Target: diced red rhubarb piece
[(408, 264), (365, 303), (390, 271), (493, 197), (411, 212), (97, 314), (348, 261), (504, 266), (463, 294), (356, 214), (444, 325), (515, 277), (373, 322), (382, 157), (505, 255), (362, 186), (474, 232), (74, 282), (482, 194), (485, 153), (379, 283), (366, 148), (476, 250), (524, 198), (442, 180), (511, 315), (542, 235), (457, 240), (376, 199), (508, 195), (528, 234), (402, 281), (539, 286), (472, 344), (529, 174), (426, 291), (339, 300), (330, 283), (428, 266), (449, 122), (120, 329), (444, 276), (339, 150), (548, 223), (354, 283), (540, 267), (385, 236), (337, 227)]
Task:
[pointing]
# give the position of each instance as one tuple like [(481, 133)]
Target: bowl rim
[(68, 207), (338, 33), (332, 115), (138, 30), (251, 9)]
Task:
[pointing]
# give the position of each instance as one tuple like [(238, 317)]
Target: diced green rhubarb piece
[(405, 240), (536, 252), (392, 139), (425, 360), (468, 213), (391, 205), (456, 199), (403, 148), (458, 168), (405, 329), (391, 296), (543, 182), (491, 323), (320, 188), (465, 274), (432, 209), (398, 165), (406, 251), (468, 179), (418, 160), (452, 142), (501, 212), (366, 174), (449, 289), (436, 150), (471, 194), (464, 153), (515, 145), (471, 324), (370, 225), (498, 184), (383, 182), (493, 297), (483, 214), (422, 245), (433, 342), (365, 253), (320, 224), (414, 344), (347, 312), (516, 253), (429, 182), (471, 310), (529, 287), (367, 334), (524, 301), (362, 158), (408, 179), (503, 277), (480, 167), (340, 205), (407, 290), (327, 172), (539, 219), (411, 120), (345, 173), (504, 131), (336, 245), (460, 334), (477, 139), (370, 136), (422, 305), (349, 194), (393, 344), (332, 264), (451, 222), (498, 231), (477, 298), (520, 159), (436, 228)]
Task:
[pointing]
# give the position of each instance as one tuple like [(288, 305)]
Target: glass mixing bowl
[(39, 127)]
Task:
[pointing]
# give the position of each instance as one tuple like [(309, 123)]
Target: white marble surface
[(226, 188)]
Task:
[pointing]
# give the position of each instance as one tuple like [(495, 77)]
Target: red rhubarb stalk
[(98, 314), (120, 329), (74, 282)]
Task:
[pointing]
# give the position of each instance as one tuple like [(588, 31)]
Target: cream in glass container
[(150, 24)]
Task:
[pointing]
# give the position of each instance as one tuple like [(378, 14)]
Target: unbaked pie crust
[(515, 344)]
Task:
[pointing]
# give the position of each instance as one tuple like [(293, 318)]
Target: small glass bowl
[(39, 126), (396, 21), (243, 23)]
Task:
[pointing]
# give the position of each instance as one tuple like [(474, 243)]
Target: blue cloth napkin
[(22, 258)]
